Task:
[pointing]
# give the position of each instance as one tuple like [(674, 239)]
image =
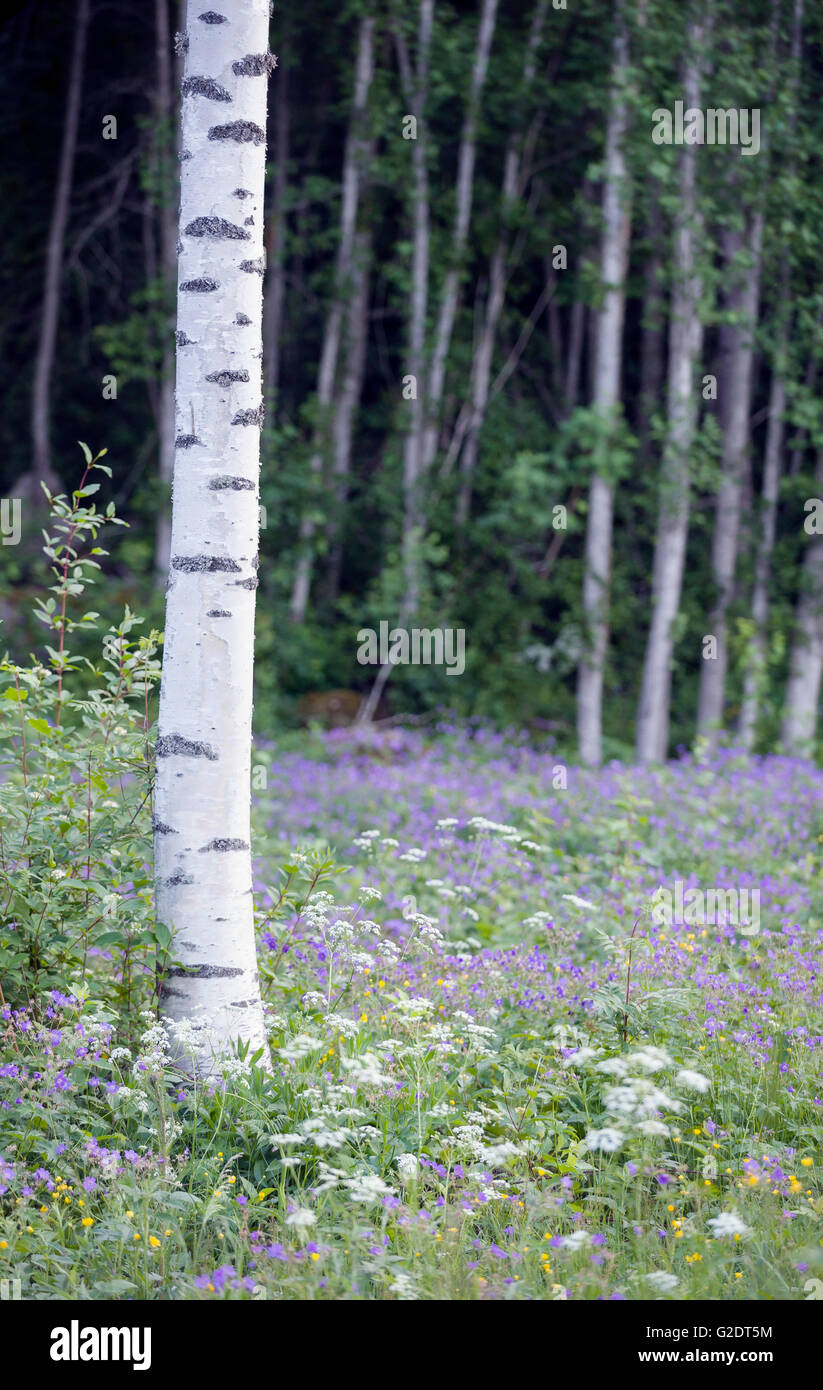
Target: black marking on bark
[(248, 222), (254, 65), (218, 613), (250, 417), (204, 564), (179, 247), (211, 17), (242, 132), (226, 377), (188, 441), (185, 154), (206, 972), (170, 745), (223, 846), (160, 828), (242, 193), (245, 583), (204, 286), (166, 992), (182, 339), (216, 227), (177, 879), (242, 320), (254, 267), (181, 44), (226, 483), (204, 87)]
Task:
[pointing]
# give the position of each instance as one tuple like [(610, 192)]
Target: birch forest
[(411, 646)]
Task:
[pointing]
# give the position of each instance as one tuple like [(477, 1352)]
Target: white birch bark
[(756, 657), (274, 288), (653, 332), (354, 163), (685, 342), (736, 383), (355, 337), (413, 439), (202, 811), (806, 657), (482, 366), (415, 91), (607, 373), (772, 467), (464, 195), (165, 118), (44, 361)]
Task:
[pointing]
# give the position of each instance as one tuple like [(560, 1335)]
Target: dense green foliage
[(538, 445)]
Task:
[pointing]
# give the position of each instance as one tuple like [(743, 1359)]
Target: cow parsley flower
[(650, 1059), (608, 1139), (368, 1187), (694, 1080), (728, 1223), (576, 1240), (302, 1218), (407, 1167), (653, 1129)]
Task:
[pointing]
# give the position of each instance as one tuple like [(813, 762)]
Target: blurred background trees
[(466, 194)]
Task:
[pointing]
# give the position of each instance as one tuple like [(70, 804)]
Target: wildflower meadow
[(494, 1074)]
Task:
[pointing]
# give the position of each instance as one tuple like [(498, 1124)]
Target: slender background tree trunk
[(44, 362), (165, 133), (353, 176), (482, 363), (806, 657), (685, 343), (275, 283), (607, 374), (735, 386)]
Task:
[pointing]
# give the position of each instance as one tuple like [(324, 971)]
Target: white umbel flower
[(608, 1139), (302, 1218), (407, 1167), (694, 1080), (728, 1223)]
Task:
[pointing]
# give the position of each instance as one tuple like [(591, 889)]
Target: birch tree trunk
[(772, 466), (755, 669), (164, 138), (482, 365), (353, 175), (464, 196), (202, 812), (415, 90), (275, 282), (41, 470), (355, 337), (685, 342), (736, 386), (607, 373), (806, 658), (652, 318)]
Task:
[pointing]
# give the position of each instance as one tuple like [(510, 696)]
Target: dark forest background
[(491, 554)]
